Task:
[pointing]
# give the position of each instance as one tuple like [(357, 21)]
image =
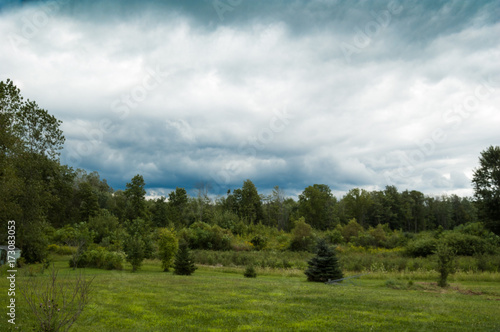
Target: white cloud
[(160, 93)]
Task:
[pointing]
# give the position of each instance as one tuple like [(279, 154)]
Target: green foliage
[(228, 220), (100, 258), (422, 246), (334, 236), (159, 212), (136, 202), (303, 238), (61, 250), (203, 236), (325, 265), (54, 303), (137, 244), (167, 247), (445, 256), (316, 205), (263, 259), (35, 244), (177, 206), (64, 235), (103, 224), (134, 249), (250, 272), (259, 242), (245, 202), (351, 230), (184, 263), (486, 182), (465, 244)]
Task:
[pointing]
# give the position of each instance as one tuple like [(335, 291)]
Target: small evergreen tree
[(324, 265), (250, 272), (184, 264)]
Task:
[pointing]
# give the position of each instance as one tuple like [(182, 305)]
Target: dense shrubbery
[(422, 246), (466, 240), (100, 258), (264, 259), (464, 244), (303, 238), (204, 236), (61, 250)]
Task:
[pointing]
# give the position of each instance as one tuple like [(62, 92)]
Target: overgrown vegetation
[(56, 303)]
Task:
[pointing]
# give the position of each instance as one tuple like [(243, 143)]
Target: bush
[(56, 304), (259, 242), (250, 272), (302, 237), (334, 236), (100, 258), (61, 250), (167, 247), (201, 235), (465, 244), (103, 224), (445, 255), (421, 247), (64, 235), (351, 230)]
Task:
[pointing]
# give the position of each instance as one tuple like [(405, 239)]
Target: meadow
[(219, 298)]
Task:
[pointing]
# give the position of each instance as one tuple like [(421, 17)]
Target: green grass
[(220, 299)]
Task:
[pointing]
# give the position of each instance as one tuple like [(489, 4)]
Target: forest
[(57, 207)]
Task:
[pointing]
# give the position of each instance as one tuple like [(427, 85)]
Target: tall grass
[(352, 259)]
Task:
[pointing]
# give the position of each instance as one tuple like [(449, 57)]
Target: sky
[(352, 94)]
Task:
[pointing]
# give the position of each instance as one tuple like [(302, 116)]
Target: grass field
[(220, 299)]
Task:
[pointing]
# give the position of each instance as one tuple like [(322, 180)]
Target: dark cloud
[(288, 93)]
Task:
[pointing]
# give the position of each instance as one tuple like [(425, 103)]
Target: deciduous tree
[(486, 182)]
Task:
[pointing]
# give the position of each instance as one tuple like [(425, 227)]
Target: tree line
[(42, 195)]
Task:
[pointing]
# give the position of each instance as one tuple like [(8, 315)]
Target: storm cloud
[(289, 93)]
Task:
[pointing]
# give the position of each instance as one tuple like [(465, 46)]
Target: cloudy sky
[(290, 93)]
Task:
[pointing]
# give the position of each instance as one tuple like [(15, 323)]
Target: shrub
[(421, 247), (226, 220), (56, 304), (445, 256), (334, 236), (465, 244), (379, 235), (64, 235), (302, 237), (259, 242), (250, 272), (201, 235), (167, 247), (61, 250), (103, 224), (100, 258), (351, 230), (364, 239)]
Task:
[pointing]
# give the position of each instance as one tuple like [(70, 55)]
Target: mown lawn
[(219, 299)]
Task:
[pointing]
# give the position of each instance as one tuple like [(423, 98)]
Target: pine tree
[(324, 265), (184, 264)]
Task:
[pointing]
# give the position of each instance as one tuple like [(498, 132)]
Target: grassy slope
[(211, 300)]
